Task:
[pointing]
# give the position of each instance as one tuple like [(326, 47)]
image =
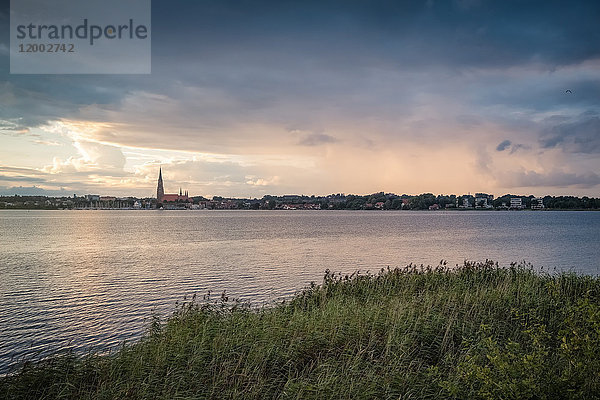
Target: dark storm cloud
[(263, 49), (504, 145), (507, 144), (21, 108), (573, 135), (412, 33)]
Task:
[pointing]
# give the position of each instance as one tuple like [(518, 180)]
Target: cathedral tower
[(160, 190)]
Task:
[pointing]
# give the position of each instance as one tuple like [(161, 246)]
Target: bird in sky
[(568, 91)]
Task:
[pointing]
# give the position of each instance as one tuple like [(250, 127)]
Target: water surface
[(84, 279)]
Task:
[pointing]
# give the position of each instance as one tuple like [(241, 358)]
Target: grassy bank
[(476, 332)]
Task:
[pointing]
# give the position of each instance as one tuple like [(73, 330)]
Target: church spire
[(160, 190)]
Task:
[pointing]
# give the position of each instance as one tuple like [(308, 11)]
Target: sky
[(248, 98)]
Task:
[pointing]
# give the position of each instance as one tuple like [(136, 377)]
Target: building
[(176, 198), (160, 190), (163, 198), (516, 203), (484, 200), (537, 203)]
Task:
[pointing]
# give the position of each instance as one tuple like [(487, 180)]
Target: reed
[(477, 331)]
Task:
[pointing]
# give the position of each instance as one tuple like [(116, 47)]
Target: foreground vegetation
[(475, 332)]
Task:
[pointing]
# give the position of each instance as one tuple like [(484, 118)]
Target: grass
[(478, 331)]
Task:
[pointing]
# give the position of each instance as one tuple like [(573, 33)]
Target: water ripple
[(90, 280)]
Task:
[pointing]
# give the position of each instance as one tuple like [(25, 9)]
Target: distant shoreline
[(307, 210)]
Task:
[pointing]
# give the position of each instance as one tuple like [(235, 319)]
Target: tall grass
[(478, 331)]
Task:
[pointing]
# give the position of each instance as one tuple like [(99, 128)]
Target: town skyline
[(340, 201), (378, 200), (180, 189)]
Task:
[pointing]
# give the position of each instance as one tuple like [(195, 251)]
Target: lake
[(91, 279)]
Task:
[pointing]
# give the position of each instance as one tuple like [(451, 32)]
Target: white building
[(483, 200), (537, 203), (516, 203)]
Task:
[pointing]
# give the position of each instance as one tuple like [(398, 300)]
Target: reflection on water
[(90, 278)]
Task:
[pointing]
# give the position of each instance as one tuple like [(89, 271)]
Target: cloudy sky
[(248, 98)]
